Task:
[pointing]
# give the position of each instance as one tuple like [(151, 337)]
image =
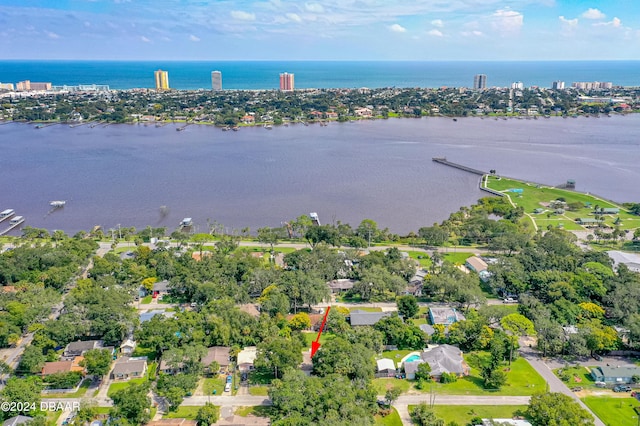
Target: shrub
[(448, 378)]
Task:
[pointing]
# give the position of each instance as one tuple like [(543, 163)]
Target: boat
[(186, 222), (16, 220), (268, 126), (314, 218), (56, 204), (179, 129), (6, 214), (235, 128)]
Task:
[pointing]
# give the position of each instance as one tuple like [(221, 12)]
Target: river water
[(382, 169)]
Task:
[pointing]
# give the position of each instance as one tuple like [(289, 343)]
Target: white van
[(227, 387)]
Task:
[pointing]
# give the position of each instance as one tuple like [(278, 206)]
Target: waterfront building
[(162, 80), (6, 86), (81, 88), (480, 81), (517, 85), (28, 85), (286, 82), (557, 85), (216, 80), (592, 85)]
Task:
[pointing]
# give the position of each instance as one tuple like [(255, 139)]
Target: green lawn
[(382, 385), (184, 412), (396, 355), (534, 195), (211, 384), (115, 387), (256, 410), (366, 309), (522, 380), (614, 411), (457, 258), (259, 390), (146, 300), (423, 258), (463, 414), (77, 394), (312, 336), (582, 375), (150, 353), (393, 419)]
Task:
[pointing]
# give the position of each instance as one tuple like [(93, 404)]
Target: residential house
[(340, 285), (359, 317), (62, 366), (615, 374), (385, 368), (78, 348), (445, 316), (441, 359), (127, 347), (220, 354), (129, 368), (476, 264), (250, 308), (248, 119), (363, 112), (246, 358), (631, 260), (160, 289), (428, 329), (243, 421), (17, 420)]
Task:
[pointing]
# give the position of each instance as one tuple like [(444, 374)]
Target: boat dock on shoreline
[(443, 160), (16, 221), (6, 214)]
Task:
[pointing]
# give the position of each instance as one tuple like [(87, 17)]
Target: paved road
[(553, 382)]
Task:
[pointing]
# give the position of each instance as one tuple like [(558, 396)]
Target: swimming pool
[(413, 358)]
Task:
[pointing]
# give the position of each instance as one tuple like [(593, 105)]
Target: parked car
[(229, 378), (597, 357), (576, 388), (622, 388), (510, 300), (601, 385), (227, 387)]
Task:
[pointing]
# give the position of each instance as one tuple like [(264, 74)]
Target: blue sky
[(320, 29)]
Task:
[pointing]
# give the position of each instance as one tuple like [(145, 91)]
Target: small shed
[(386, 366)]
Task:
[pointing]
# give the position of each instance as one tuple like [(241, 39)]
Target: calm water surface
[(123, 174)]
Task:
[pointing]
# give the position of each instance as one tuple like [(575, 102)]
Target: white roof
[(632, 260), (386, 364), (247, 355)]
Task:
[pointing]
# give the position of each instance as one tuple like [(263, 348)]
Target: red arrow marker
[(316, 345)]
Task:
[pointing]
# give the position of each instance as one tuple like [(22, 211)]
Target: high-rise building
[(517, 85), (27, 85), (162, 80), (479, 81), (6, 86), (557, 85), (216, 80), (286, 82)]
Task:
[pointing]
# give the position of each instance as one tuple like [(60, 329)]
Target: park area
[(536, 200)]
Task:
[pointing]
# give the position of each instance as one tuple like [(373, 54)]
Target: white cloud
[(243, 16), (52, 35), (507, 20), (435, 33), (572, 23), (146, 40), (592, 13), (294, 17), (437, 23), (615, 22), (194, 38), (397, 28), (314, 7), (474, 33)]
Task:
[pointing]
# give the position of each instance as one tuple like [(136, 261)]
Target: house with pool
[(441, 359)]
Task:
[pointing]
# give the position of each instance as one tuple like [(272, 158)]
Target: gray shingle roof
[(359, 317)]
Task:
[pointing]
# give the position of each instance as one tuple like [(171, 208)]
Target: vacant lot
[(614, 411)]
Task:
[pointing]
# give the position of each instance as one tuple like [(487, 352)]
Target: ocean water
[(382, 169), (312, 74)]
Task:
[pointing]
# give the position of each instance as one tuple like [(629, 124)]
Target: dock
[(444, 161), (6, 214), (16, 221)]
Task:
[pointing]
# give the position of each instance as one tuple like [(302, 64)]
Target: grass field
[(255, 410), (457, 258), (184, 412), (311, 337), (614, 411), (423, 258), (115, 387), (579, 376), (382, 385), (211, 384), (366, 309), (463, 414), (259, 390), (146, 300), (393, 419), (534, 195), (77, 394), (522, 380)]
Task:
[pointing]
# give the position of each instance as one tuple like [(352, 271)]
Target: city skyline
[(424, 30)]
